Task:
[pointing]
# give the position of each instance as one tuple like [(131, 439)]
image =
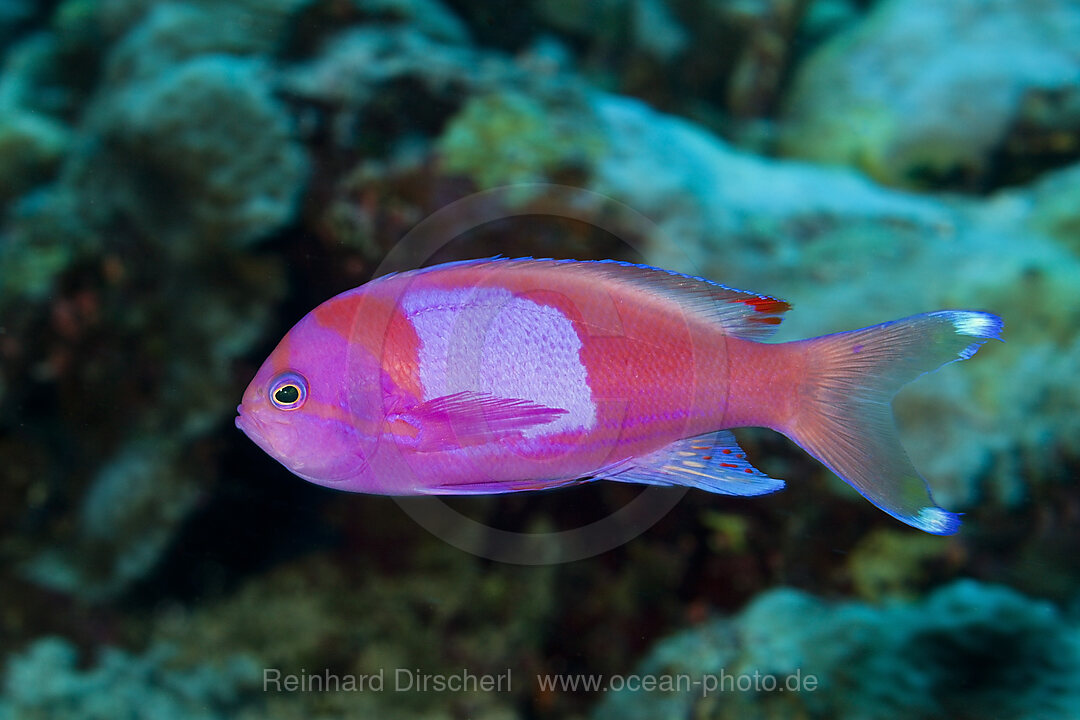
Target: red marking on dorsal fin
[(765, 304)]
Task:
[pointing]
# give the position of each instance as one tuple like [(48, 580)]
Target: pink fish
[(491, 376)]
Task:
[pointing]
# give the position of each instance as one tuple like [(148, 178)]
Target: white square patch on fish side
[(488, 340)]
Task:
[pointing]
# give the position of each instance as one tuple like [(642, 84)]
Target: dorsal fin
[(742, 314)]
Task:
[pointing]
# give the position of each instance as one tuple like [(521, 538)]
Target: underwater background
[(181, 181)]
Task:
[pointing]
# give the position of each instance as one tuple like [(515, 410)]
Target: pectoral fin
[(470, 418)]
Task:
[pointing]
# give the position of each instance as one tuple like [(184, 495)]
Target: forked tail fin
[(845, 417)]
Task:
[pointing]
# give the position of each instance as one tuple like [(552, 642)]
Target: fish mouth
[(256, 430), (243, 422), (281, 445)]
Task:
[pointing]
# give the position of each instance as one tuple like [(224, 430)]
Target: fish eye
[(288, 391)]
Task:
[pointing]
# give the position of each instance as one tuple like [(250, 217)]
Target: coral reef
[(32, 142), (969, 650), (893, 564), (1054, 211), (30, 150), (207, 130), (174, 167), (539, 139), (721, 63), (142, 492), (14, 14), (46, 681), (860, 100), (152, 38), (297, 617)]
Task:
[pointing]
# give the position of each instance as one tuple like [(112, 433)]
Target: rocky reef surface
[(969, 650)]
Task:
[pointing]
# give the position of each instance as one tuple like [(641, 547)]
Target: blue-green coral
[(126, 520), (969, 650), (45, 682), (923, 90), (201, 154), (508, 138), (182, 156), (32, 141)]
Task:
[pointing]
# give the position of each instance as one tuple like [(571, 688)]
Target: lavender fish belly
[(502, 375)]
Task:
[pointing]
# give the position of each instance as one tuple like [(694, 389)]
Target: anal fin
[(712, 462)]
